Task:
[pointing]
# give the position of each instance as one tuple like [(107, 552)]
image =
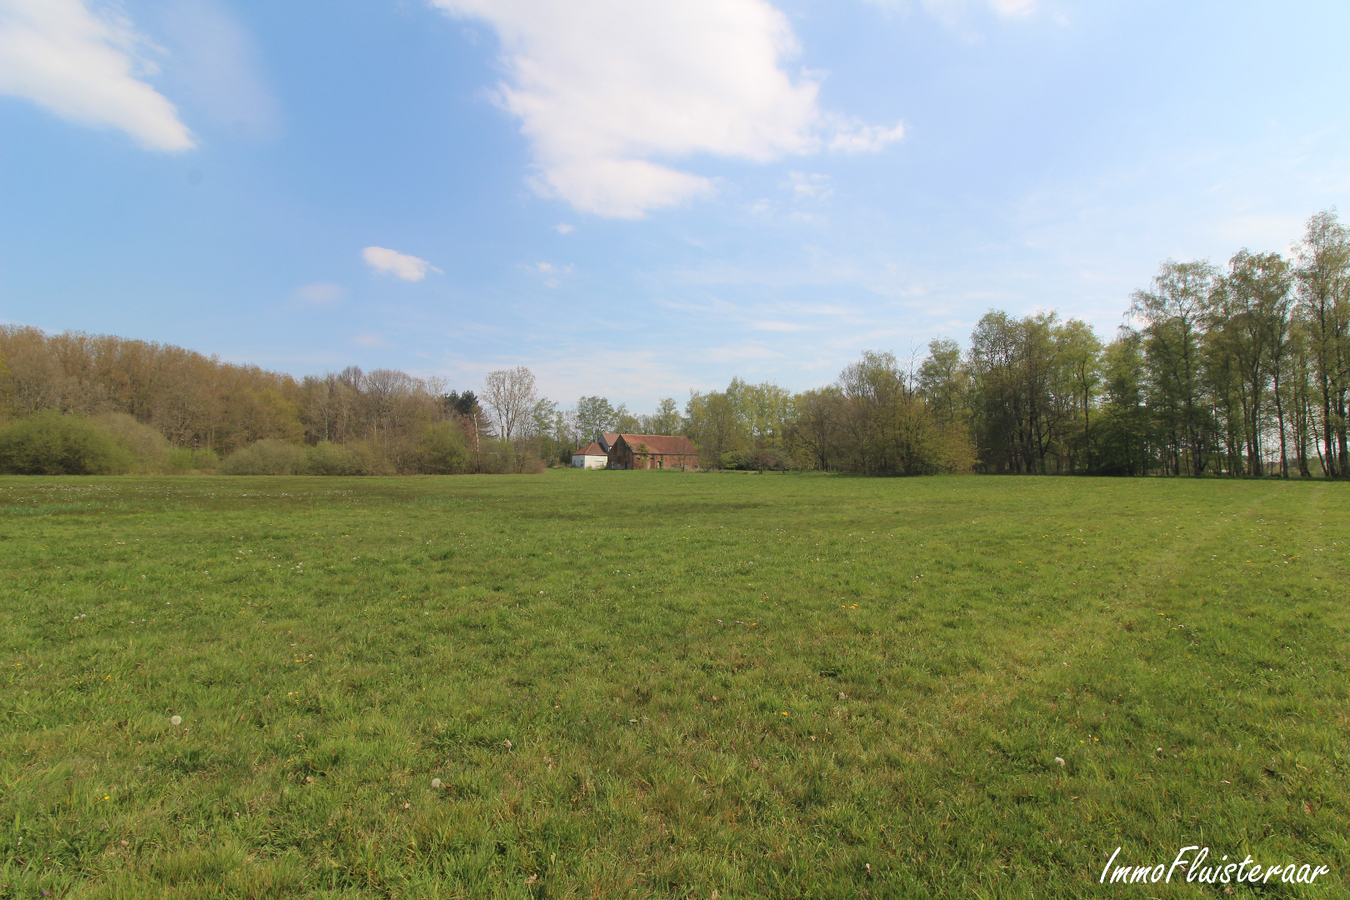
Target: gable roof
[(607, 440), (591, 449), (661, 444)]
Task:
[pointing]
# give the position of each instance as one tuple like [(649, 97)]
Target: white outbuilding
[(592, 456)]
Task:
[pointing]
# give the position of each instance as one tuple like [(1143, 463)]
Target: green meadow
[(657, 684)]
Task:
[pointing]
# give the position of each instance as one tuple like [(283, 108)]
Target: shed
[(592, 456)]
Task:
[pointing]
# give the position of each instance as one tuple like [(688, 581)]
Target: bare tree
[(511, 395)]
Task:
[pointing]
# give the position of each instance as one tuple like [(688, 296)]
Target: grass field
[(632, 684)]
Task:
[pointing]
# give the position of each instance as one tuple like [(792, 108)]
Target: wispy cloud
[(606, 88), (219, 68), (859, 138), (1013, 8), (740, 354), (370, 339), (400, 265), (563, 228), (955, 13), (813, 186), (86, 68), (551, 272), (320, 293)]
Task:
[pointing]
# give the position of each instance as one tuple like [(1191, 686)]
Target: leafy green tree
[(814, 438), (763, 411), (886, 426), (1174, 312), (1079, 352), (625, 422), (594, 417), (666, 419), (945, 382), (1300, 393), (1323, 288), (714, 427), (1250, 325), (1123, 426)]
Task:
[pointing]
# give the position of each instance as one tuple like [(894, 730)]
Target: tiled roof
[(591, 449), (662, 444)]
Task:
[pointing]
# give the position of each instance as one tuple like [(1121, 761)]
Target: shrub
[(774, 460), (265, 457), (500, 457), (182, 461), (732, 460), (371, 458), (326, 458), (442, 449), (148, 449), (49, 443), (953, 451)]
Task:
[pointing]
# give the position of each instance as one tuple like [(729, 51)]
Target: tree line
[(146, 407), (1240, 370)]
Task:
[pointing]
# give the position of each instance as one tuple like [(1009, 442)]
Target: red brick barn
[(652, 451)]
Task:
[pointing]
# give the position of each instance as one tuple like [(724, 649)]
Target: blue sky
[(636, 199)]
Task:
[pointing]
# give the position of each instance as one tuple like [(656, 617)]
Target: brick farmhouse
[(652, 451)]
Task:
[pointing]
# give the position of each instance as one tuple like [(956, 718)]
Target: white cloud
[(85, 68), (551, 271), (321, 293), (954, 12), (866, 138), (400, 265), (1013, 8), (564, 228), (814, 186), (610, 91)]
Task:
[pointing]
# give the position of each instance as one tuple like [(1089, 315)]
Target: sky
[(634, 198)]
